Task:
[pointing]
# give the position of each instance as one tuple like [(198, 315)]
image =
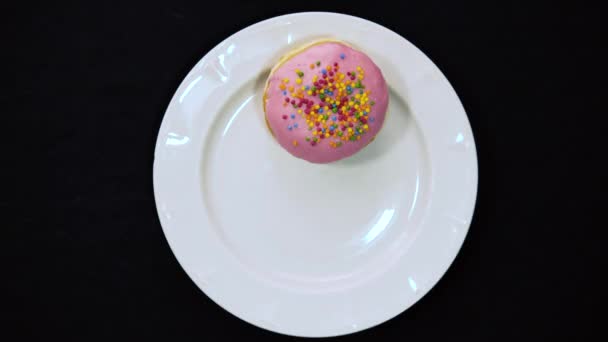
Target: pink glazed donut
[(325, 102)]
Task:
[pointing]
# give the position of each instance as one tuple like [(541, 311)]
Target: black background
[(85, 89)]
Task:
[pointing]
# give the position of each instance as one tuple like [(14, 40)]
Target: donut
[(325, 101)]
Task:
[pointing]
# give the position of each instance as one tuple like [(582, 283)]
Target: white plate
[(306, 249)]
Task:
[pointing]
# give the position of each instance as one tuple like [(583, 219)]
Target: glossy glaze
[(327, 54)]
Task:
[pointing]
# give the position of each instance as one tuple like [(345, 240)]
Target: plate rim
[(475, 167)]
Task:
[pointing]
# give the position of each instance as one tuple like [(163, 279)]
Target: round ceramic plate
[(307, 249)]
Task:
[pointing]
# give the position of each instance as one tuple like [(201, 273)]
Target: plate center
[(294, 219)]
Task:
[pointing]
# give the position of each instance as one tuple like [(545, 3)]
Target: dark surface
[(85, 91)]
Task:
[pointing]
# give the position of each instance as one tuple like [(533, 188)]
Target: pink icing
[(280, 117)]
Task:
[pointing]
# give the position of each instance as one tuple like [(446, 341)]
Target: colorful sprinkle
[(339, 115)]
